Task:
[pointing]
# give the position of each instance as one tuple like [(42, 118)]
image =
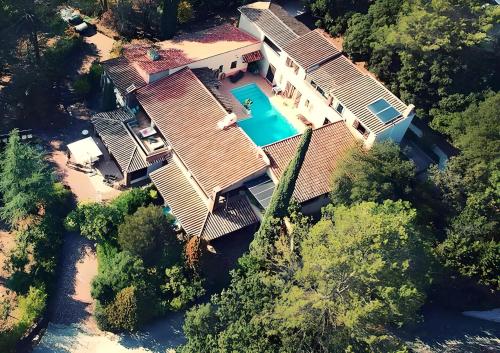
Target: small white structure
[(85, 151)]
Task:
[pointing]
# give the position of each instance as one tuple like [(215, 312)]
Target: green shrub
[(149, 234), (181, 288), (95, 221), (117, 270), (129, 201), (94, 75), (82, 86), (124, 313), (32, 305)]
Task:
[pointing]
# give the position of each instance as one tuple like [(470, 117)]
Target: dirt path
[(72, 302)]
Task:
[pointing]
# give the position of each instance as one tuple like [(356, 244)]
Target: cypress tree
[(282, 195), (108, 97), (168, 22)]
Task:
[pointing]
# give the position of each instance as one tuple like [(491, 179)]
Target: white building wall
[(214, 62)]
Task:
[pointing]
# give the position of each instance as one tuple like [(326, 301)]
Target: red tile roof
[(327, 147), (311, 49), (189, 47), (253, 56), (186, 113)]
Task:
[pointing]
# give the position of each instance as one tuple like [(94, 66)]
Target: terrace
[(146, 134)]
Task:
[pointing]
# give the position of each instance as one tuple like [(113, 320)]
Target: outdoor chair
[(238, 76)]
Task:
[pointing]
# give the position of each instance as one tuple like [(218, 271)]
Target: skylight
[(383, 110)]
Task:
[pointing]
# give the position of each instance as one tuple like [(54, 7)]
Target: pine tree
[(25, 180)]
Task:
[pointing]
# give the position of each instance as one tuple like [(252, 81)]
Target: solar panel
[(383, 110)]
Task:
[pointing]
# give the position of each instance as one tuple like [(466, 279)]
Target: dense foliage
[(142, 272), (149, 235), (352, 277), (35, 54), (469, 186), (427, 51), (34, 205)]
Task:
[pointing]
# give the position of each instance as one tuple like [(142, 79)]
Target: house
[(324, 85), (182, 124)]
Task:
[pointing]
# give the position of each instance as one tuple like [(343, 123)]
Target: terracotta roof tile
[(187, 114), (123, 74), (188, 48), (310, 49), (185, 203), (233, 214), (328, 145), (334, 73)]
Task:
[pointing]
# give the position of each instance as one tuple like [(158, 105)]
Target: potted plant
[(247, 105)]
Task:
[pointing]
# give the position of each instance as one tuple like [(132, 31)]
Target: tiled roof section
[(233, 214), (328, 145), (187, 115), (168, 58), (123, 74), (109, 126), (295, 25), (209, 78), (310, 49), (270, 24), (357, 94), (253, 56), (334, 73), (188, 48), (185, 203)]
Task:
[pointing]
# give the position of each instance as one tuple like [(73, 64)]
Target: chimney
[(409, 110)]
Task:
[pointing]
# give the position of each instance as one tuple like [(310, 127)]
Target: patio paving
[(87, 187)]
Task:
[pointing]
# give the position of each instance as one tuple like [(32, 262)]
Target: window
[(233, 64), (221, 68), (306, 103), (340, 108), (326, 121), (360, 128), (273, 46), (321, 91)]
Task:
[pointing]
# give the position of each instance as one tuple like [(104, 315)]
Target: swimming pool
[(265, 124)]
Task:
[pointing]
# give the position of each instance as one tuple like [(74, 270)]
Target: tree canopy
[(353, 276), (25, 180), (149, 235), (469, 186), (378, 174)]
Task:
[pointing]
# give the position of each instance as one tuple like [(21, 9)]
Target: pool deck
[(284, 106)]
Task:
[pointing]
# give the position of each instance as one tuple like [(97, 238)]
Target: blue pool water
[(265, 124)]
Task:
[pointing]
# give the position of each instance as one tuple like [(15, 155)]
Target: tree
[(469, 187), (169, 15), (375, 175), (366, 268), (25, 180), (280, 200), (357, 274), (117, 270), (149, 234), (95, 221), (124, 313), (181, 287)]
